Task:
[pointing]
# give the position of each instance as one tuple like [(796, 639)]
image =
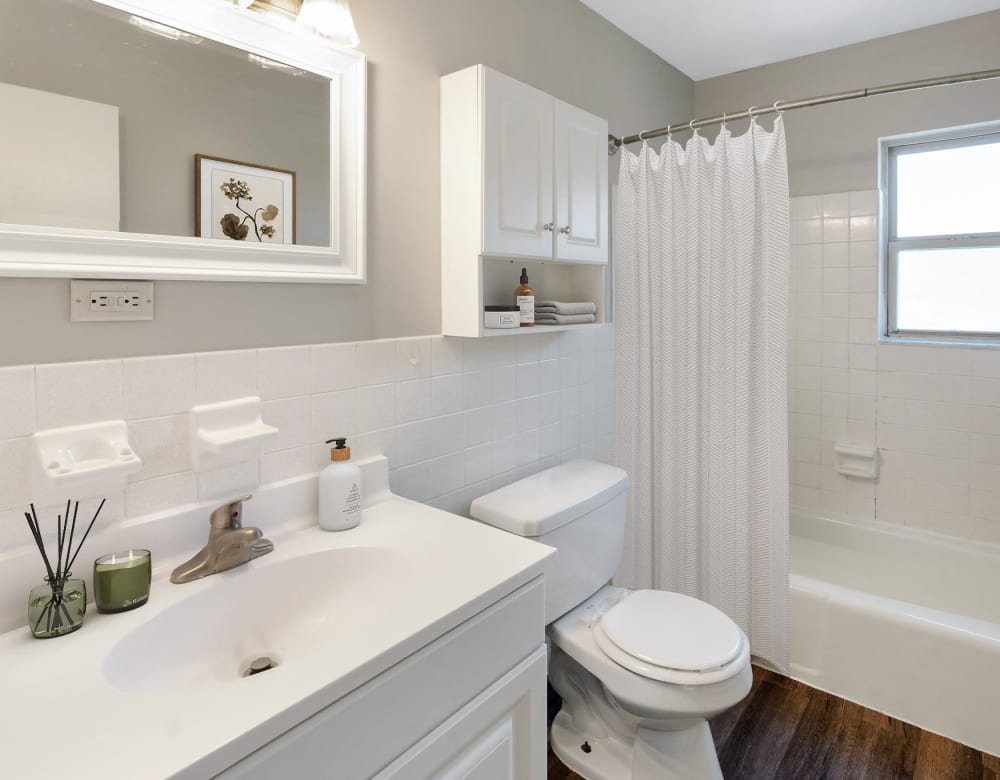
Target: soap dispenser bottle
[(339, 490), (524, 297)]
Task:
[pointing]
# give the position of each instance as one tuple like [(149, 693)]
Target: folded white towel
[(563, 319), (560, 307)]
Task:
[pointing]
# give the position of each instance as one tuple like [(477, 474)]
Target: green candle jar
[(121, 580)]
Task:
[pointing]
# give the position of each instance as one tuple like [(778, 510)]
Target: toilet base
[(599, 740), (688, 754)]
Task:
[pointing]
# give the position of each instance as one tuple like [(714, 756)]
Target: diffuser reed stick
[(54, 613)]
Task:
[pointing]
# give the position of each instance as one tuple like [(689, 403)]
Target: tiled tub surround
[(933, 411), (456, 417)]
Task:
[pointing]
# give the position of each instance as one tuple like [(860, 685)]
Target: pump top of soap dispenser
[(341, 451), (524, 276)]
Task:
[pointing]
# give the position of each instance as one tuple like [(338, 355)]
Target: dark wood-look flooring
[(784, 730)]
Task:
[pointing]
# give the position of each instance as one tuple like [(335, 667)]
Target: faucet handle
[(230, 514)]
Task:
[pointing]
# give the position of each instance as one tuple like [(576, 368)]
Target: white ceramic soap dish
[(229, 432), (82, 461)]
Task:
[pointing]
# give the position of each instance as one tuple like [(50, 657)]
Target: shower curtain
[(701, 309)]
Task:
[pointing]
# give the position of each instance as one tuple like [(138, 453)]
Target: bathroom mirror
[(184, 139)]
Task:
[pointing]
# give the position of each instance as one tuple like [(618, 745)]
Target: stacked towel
[(561, 313), (563, 319), (558, 307)]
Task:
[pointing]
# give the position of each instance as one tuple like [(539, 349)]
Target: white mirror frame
[(62, 252)]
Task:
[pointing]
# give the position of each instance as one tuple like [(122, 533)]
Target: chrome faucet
[(229, 544)]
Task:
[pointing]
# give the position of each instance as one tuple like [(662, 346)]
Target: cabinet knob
[(548, 226), (565, 230)]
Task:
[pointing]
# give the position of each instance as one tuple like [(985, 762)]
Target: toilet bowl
[(640, 672)]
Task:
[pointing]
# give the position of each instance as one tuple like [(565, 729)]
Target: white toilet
[(640, 672)]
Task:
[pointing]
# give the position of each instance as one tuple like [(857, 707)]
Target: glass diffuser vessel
[(57, 607)]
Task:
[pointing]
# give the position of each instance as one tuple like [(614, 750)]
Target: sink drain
[(258, 665)]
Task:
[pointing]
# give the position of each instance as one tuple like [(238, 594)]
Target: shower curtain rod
[(781, 105)]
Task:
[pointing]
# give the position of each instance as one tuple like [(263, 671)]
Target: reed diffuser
[(58, 607)]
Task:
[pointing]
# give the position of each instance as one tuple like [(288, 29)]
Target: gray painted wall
[(834, 148), (559, 46)]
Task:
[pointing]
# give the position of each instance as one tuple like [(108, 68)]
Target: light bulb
[(330, 18)]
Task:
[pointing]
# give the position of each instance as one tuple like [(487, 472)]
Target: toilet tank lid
[(549, 499)]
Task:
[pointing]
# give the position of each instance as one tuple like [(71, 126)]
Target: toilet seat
[(672, 638)]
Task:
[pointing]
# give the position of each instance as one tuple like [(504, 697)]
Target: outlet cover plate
[(110, 300)]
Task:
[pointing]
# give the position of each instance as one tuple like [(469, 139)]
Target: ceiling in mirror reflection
[(78, 69)]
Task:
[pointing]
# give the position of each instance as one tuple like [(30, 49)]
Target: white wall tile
[(448, 355), (446, 394), (228, 482), (17, 401), (293, 419), (225, 376), (864, 203), (163, 443), (836, 204), (332, 367), (863, 229), (282, 372), (377, 407), (836, 255), (287, 464), (334, 414), (15, 473), (528, 380), (376, 362), (836, 230), (413, 358), (76, 393), (158, 386), (161, 494)]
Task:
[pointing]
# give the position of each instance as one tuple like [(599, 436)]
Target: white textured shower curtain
[(701, 310)]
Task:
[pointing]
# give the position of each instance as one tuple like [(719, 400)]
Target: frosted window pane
[(948, 191), (949, 290)]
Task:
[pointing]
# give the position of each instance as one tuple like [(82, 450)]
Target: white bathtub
[(904, 622)]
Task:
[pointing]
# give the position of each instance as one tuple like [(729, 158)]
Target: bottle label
[(352, 503), (527, 304)]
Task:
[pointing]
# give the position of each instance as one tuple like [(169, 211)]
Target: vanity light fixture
[(330, 18), (163, 30)]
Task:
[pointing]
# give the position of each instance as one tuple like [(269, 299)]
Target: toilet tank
[(577, 507)]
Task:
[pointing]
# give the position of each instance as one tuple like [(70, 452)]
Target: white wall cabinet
[(524, 178)]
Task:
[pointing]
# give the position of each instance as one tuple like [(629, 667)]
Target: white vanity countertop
[(66, 712)]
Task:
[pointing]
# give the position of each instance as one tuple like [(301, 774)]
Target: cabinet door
[(517, 198), (581, 171), (499, 735)]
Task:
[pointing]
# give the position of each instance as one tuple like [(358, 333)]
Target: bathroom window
[(941, 235)]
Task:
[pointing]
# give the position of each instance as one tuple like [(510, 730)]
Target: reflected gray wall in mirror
[(175, 99)]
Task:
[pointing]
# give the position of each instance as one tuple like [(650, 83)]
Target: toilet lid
[(673, 631)]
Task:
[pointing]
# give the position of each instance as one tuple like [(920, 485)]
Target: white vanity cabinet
[(524, 181), (470, 704)]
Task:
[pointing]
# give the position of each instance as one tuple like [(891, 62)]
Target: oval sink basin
[(283, 609)]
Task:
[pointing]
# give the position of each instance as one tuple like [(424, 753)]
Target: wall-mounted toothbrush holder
[(229, 432), (856, 460), (82, 461)]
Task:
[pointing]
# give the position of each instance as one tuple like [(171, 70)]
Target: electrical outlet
[(110, 300)]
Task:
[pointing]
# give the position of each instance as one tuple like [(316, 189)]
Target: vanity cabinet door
[(517, 159), (581, 179), (499, 735)]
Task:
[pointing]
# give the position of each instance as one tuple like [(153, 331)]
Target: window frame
[(890, 244)]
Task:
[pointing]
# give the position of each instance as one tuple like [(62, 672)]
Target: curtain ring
[(640, 135), (775, 106), (723, 120), (691, 126), (750, 112)]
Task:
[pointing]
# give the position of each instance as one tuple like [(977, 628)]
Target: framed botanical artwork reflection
[(240, 201)]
